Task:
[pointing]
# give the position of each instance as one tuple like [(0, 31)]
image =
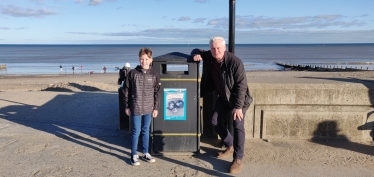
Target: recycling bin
[(177, 129)]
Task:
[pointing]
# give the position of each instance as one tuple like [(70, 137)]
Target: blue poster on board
[(175, 104)]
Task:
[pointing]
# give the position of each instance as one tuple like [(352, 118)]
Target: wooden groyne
[(2, 66), (297, 67)]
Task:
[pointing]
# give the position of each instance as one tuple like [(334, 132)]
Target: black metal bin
[(177, 126)]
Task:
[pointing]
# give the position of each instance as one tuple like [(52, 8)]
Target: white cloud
[(219, 22), (252, 30), (95, 2), (38, 1), (365, 15), (173, 35), (184, 18), (199, 20), (7, 28), (23, 12), (78, 1), (201, 1), (259, 36), (304, 36)]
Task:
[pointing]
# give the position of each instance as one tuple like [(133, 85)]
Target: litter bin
[(124, 120), (177, 126)]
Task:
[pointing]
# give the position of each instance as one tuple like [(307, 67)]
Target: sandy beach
[(108, 82), (67, 125)]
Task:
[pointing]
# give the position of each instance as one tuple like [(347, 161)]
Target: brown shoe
[(227, 152), (236, 166)]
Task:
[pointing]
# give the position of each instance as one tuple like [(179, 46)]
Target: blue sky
[(185, 21)]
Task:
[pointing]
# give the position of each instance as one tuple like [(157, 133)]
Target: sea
[(46, 59)]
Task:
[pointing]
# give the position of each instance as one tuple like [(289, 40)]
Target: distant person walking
[(60, 68), (73, 68), (224, 73), (141, 100), (104, 69)]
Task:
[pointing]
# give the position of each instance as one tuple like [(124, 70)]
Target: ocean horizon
[(31, 59)]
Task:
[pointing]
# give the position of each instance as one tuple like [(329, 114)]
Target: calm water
[(46, 59)]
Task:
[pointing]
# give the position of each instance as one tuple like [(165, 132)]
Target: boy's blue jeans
[(140, 123)]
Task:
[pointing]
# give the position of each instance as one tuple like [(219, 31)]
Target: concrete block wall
[(338, 110)]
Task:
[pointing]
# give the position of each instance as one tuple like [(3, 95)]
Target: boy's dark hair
[(145, 51)]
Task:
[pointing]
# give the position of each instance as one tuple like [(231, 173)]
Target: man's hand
[(237, 113), (128, 112), (154, 113), (197, 58)]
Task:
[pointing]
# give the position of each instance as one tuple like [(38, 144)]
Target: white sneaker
[(147, 157), (134, 160)]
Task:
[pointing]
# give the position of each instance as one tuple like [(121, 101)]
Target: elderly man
[(224, 73)]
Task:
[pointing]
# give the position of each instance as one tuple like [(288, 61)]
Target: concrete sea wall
[(308, 108)]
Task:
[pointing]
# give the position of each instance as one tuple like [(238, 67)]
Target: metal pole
[(232, 27), (231, 49)]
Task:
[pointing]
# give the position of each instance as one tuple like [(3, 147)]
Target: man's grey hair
[(214, 39)]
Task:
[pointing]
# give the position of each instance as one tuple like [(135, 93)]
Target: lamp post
[(232, 27), (231, 49)]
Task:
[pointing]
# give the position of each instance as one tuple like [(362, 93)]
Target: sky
[(185, 21)]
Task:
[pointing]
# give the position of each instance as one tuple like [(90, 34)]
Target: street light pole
[(232, 27), (231, 49)]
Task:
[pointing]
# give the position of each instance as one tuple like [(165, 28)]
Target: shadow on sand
[(74, 116), (327, 134), (328, 130), (90, 119)]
